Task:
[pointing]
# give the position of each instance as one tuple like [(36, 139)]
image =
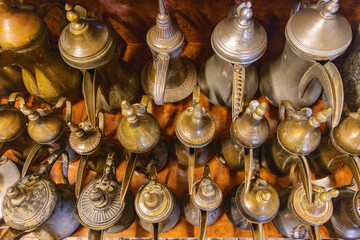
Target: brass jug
[(90, 45), (252, 209), (157, 206), (202, 207), (99, 208), (195, 128), (139, 133), (10, 80), (297, 135), (169, 77), (9, 174), (228, 78), (24, 43), (314, 36), (297, 216), (47, 129), (342, 147), (36, 204)]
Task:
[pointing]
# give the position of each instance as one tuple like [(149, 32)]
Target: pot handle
[(89, 89), (46, 167), (31, 157), (203, 223), (95, 235), (353, 162), (191, 169), (13, 234), (147, 103), (304, 171), (16, 96), (109, 173), (238, 90), (284, 107), (84, 159), (314, 232), (249, 169), (162, 65), (258, 231), (129, 171)]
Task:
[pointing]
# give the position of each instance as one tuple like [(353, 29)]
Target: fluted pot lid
[(207, 194), (261, 204), (195, 127), (356, 204), (86, 43), (12, 122), (319, 32), (99, 207), (239, 39), (85, 142)]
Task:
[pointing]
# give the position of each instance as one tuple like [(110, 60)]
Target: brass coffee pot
[(24, 43), (90, 45), (315, 35), (169, 77), (228, 78), (195, 129), (36, 204), (342, 147), (205, 200), (9, 174), (298, 135), (297, 216), (99, 208), (157, 206), (47, 129), (250, 210), (138, 132)]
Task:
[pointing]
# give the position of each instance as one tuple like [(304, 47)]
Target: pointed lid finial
[(162, 15), (245, 14)]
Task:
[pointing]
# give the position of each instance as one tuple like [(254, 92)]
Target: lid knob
[(13, 192), (162, 15), (198, 113), (152, 200), (98, 198), (260, 111), (330, 8), (207, 189), (128, 111), (74, 128), (73, 16), (263, 196), (320, 117), (28, 111), (245, 14)]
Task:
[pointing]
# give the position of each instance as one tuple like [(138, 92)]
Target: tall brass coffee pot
[(298, 135), (169, 77), (342, 147), (228, 78), (202, 207), (314, 35), (99, 208), (90, 45), (24, 43), (195, 129), (36, 204), (157, 206)]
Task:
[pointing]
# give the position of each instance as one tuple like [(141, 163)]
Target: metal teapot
[(98, 206), (157, 206), (169, 77), (202, 207), (90, 45), (228, 78), (298, 135), (46, 76), (195, 128), (250, 210), (314, 35), (342, 147), (37, 204)]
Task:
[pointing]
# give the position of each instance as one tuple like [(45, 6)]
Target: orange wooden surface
[(197, 18)]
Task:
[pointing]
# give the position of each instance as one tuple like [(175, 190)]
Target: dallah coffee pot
[(99, 208), (297, 135), (195, 129), (315, 35), (157, 206), (228, 78), (36, 204), (90, 45), (202, 207), (24, 43), (169, 77)]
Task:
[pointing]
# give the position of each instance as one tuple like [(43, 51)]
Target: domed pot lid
[(138, 131), (239, 39), (319, 32), (12, 122), (85, 43)]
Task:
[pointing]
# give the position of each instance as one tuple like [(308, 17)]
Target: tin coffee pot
[(315, 35), (139, 133), (195, 129), (157, 206), (228, 78), (250, 210), (89, 45), (202, 207), (342, 147), (169, 77), (36, 204), (297, 216), (297, 135), (99, 208), (24, 43)]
